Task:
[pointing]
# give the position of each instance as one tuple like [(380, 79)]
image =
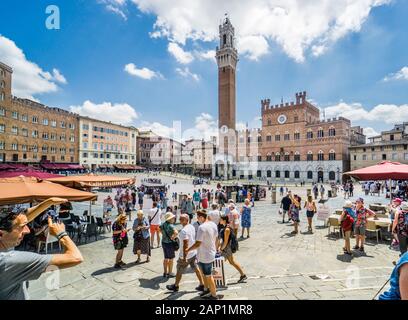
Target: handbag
[(175, 243)]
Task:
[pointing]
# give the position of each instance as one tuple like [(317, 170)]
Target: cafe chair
[(50, 240), (335, 224), (372, 227)]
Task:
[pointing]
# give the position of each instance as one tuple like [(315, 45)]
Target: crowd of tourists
[(204, 233), (205, 227)]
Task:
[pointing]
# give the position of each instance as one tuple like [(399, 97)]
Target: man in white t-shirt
[(206, 245), (186, 237), (155, 222), (214, 214)]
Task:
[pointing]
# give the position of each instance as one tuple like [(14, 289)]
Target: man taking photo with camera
[(18, 267)]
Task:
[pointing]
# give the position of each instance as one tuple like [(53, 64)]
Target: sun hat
[(168, 216), (139, 212), (404, 206), (348, 204)]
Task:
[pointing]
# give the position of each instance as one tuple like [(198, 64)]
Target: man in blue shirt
[(398, 281)]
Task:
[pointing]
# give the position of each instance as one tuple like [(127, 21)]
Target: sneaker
[(349, 253), (356, 247), (172, 287), (122, 263), (171, 275), (117, 266), (242, 278), (362, 249), (138, 261), (205, 293), (200, 288), (164, 275)]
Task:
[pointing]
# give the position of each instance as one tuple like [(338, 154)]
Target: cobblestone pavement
[(279, 265)]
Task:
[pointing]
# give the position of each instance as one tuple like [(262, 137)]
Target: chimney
[(297, 98)]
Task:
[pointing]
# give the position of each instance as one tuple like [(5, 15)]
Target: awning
[(91, 180), (5, 166), (28, 173), (61, 166), (381, 171), (27, 190), (124, 166)]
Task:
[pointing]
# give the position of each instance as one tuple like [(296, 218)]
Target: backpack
[(233, 242), (406, 221)]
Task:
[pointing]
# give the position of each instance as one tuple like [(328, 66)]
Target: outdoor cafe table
[(381, 222)]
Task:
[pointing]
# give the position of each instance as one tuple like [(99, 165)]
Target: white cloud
[(298, 26), (370, 132), (186, 73), (28, 78), (143, 73), (120, 113), (157, 128), (181, 56), (400, 75), (206, 55), (388, 113), (57, 76), (116, 10), (253, 47), (115, 6), (205, 126)]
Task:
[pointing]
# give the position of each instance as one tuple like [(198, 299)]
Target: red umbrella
[(382, 171), (28, 173)]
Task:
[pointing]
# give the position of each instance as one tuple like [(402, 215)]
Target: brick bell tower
[(227, 58)]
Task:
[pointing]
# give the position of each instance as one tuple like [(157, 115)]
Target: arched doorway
[(320, 175)]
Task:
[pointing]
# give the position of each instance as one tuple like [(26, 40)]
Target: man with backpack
[(285, 206)]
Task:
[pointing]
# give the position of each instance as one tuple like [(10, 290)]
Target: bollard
[(273, 196)]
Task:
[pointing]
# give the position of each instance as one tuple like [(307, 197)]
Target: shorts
[(309, 214), (359, 230), (227, 252), (168, 250), (182, 266), (206, 268), (154, 228)]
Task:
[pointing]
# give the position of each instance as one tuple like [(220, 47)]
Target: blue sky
[(359, 72)]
